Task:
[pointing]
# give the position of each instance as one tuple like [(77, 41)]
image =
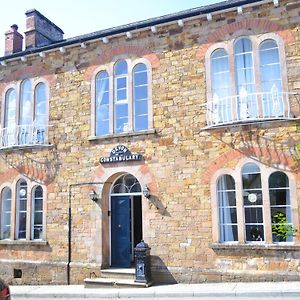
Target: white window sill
[(24, 147), (236, 247), (123, 134), (24, 242)]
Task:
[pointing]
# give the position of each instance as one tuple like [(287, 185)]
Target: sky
[(77, 17)]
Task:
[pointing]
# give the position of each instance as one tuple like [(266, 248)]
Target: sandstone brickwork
[(180, 158)]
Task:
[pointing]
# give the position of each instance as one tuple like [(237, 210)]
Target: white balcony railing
[(248, 108), (23, 135)]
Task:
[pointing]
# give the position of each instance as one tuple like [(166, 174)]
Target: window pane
[(102, 103), (253, 202), (278, 179), (244, 74), (121, 118), (243, 45), (281, 211), (141, 92), (6, 214), (270, 75), (121, 67), (227, 208), (140, 78), (253, 215), (140, 97), (126, 184), (228, 233), (141, 123), (226, 198), (141, 107), (25, 112), (254, 233), (37, 213), (21, 210)]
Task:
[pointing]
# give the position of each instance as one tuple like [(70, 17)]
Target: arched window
[(121, 96), (40, 113), (9, 130), (140, 97), (37, 213), (25, 118), (271, 79), (102, 103), (220, 76), (6, 213), (245, 79), (281, 212), (253, 203), (228, 230), (21, 209), (126, 184)]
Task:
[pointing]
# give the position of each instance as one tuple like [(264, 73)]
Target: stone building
[(180, 130)]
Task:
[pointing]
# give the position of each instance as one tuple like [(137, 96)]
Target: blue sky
[(76, 17)]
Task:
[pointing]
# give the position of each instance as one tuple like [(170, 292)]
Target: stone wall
[(179, 157)]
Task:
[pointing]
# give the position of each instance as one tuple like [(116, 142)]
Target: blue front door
[(120, 231)]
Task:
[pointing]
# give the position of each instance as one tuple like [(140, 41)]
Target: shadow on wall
[(42, 170), (160, 272), (154, 200), (274, 151)]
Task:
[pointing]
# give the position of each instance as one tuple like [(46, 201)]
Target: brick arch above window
[(122, 52), (229, 29), (274, 157)]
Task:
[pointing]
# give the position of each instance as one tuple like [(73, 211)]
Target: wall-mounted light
[(94, 196), (146, 192)]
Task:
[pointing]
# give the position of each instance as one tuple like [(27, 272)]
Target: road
[(157, 298)]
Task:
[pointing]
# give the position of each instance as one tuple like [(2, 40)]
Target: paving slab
[(209, 290)]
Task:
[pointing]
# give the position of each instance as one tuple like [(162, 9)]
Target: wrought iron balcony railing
[(23, 135), (249, 108)]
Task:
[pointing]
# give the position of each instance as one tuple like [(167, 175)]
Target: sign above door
[(120, 153)]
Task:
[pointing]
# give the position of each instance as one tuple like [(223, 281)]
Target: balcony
[(247, 108), (23, 136)]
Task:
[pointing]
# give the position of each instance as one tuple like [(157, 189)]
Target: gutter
[(140, 25)]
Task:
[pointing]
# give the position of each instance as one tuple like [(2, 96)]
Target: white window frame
[(18, 90), (236, 173), (31, 186), (109, 68), (228, 46)]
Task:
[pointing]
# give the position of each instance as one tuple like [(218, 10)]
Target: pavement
[(203, 290)]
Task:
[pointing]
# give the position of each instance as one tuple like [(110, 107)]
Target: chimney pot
[(13, 40), (14, 27)]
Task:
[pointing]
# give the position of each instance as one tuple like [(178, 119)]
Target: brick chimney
[(13, 40), (40, 31)]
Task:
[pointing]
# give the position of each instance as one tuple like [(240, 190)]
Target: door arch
[(125, 220)]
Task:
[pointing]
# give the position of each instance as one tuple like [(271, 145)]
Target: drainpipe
[(70, 223)]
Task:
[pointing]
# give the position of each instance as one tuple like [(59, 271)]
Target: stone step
[(118, 273), (113, 283)]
